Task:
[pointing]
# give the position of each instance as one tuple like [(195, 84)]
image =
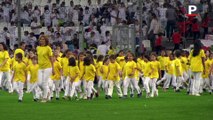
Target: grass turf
[(169, 105)]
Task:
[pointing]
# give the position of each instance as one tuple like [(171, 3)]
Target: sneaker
[(120, 97), (151, 95), (106, 97), (57, 98), (35, 100), (92, 95), (89, 98), (110, 97), (197, 94), (43, 101), (177, 90), (85, 97), (125, 96), (97, 95), (131, 95), (147, 95), (11, 91), (20, 101), (139, 95), (188, 93)]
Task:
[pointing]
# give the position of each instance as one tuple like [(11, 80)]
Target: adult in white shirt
[(75, 15), (49, 4), (162, 15), (70, 11), (12, 28), (54, 18), (58, 38), (32, 40), (6, 11), (86, 16), (153, 29), (107, 38), (63, 12), (26, 37), (25, 17), (35, 27), (47, 17), (113, 15), (144, 29), (37, 13), (102, 49), (14, 16), (122, 12), (50, 33)]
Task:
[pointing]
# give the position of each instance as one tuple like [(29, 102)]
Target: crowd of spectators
[(161, 19)]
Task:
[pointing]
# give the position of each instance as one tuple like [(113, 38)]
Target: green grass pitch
[(167, 106)]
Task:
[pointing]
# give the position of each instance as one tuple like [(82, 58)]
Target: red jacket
[(183, 27), (195, 27), (158, 41), (176, 37), (205, 22)]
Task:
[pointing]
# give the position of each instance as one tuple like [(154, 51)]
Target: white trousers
[(152, 84), (74, 88), (33, 87), (18, 87), (100, 82), (111, 85), (169, 77), (185, 76), (67, 86), (54, 85), (105, 86), (146, 82), (63, 82), (127, 82), (179, 82), (174, 81), (195, 82), (211, 82), (89, 88), (57, 88), (43, 77), (5, 80), (28, 82), (132, 88)]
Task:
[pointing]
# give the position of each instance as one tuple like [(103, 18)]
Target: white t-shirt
[(62, 12), (36, 30), (32, 41), (37, 14), (102, 49), (162, 13), (6, 11), (47, 16), (75, 15), (113, 19), (14, 17), (12, 30), (86, 17), (122, 13), (25, 38), (70, 12), (25, 15)]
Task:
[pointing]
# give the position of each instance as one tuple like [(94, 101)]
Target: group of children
[(76, 74)]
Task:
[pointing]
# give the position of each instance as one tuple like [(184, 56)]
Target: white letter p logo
[(192, 8)]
